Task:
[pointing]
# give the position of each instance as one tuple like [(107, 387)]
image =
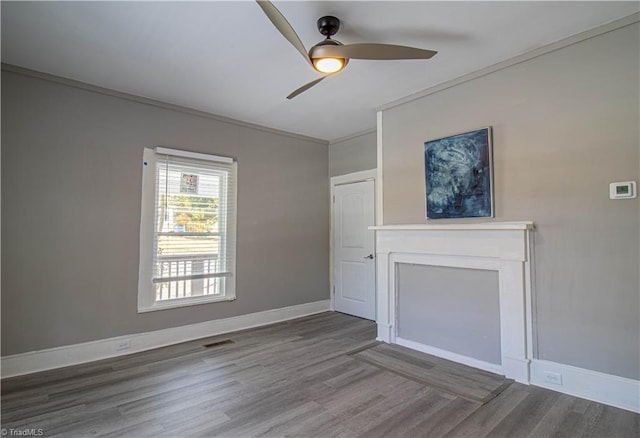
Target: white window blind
[(193, 255)]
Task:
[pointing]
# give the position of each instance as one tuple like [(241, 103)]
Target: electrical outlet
[(554, 378), (123, 345)]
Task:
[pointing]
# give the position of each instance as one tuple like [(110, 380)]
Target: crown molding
[(561, 44), (10, 68), (352, 136)]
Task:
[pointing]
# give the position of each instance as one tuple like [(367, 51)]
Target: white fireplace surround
[(499, 246)]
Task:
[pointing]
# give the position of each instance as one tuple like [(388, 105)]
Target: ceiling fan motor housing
[(328, 25), (316, 51)]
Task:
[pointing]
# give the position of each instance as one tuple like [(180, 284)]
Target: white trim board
[(522, 225), (608, 389), (51, 358), (353, 177), (592, 385), (379, 156), (454, 357)]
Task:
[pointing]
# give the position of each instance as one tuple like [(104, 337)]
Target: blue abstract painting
[(459, 176)]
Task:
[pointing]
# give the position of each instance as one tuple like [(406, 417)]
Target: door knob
[(370, 257)]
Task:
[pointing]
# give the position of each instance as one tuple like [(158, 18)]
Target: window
[(187, 229)]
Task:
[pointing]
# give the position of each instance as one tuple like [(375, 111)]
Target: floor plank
[(296, 378), (463, 381)]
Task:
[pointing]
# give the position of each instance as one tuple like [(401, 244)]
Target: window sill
[(183, 302)]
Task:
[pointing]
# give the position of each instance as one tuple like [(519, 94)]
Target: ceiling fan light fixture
[(328, 65), (331, 56)]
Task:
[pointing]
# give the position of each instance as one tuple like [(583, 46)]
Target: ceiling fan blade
[(283, 26), (372, 51), (305, 87)]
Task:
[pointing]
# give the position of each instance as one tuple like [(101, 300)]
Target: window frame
[(146, 289)]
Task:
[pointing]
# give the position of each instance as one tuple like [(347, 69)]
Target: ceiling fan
[(330, 56)]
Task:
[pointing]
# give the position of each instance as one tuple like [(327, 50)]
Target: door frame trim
[(349, 178)]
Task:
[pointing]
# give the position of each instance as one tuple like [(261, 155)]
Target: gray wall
[(565, 125), (430, 298), (353, 155), (71, 184)]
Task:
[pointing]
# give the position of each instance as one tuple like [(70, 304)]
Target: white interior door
[(353, 249)]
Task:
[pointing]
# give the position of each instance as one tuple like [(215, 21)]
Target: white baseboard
[(592, 385), (385, 332), (41, 360), (517, 369), (608, 389), (454, 357)]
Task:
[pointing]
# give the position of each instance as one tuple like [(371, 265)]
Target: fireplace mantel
[(504, 247), (526, 225)]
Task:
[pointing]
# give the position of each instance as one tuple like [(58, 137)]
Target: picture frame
[(459, 175)]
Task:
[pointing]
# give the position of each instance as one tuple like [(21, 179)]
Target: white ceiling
[(227, 58)]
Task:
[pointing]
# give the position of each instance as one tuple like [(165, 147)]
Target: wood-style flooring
[(290, 379), (460, 380)]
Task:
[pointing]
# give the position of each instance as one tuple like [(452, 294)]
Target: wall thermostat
[(622, 190)]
